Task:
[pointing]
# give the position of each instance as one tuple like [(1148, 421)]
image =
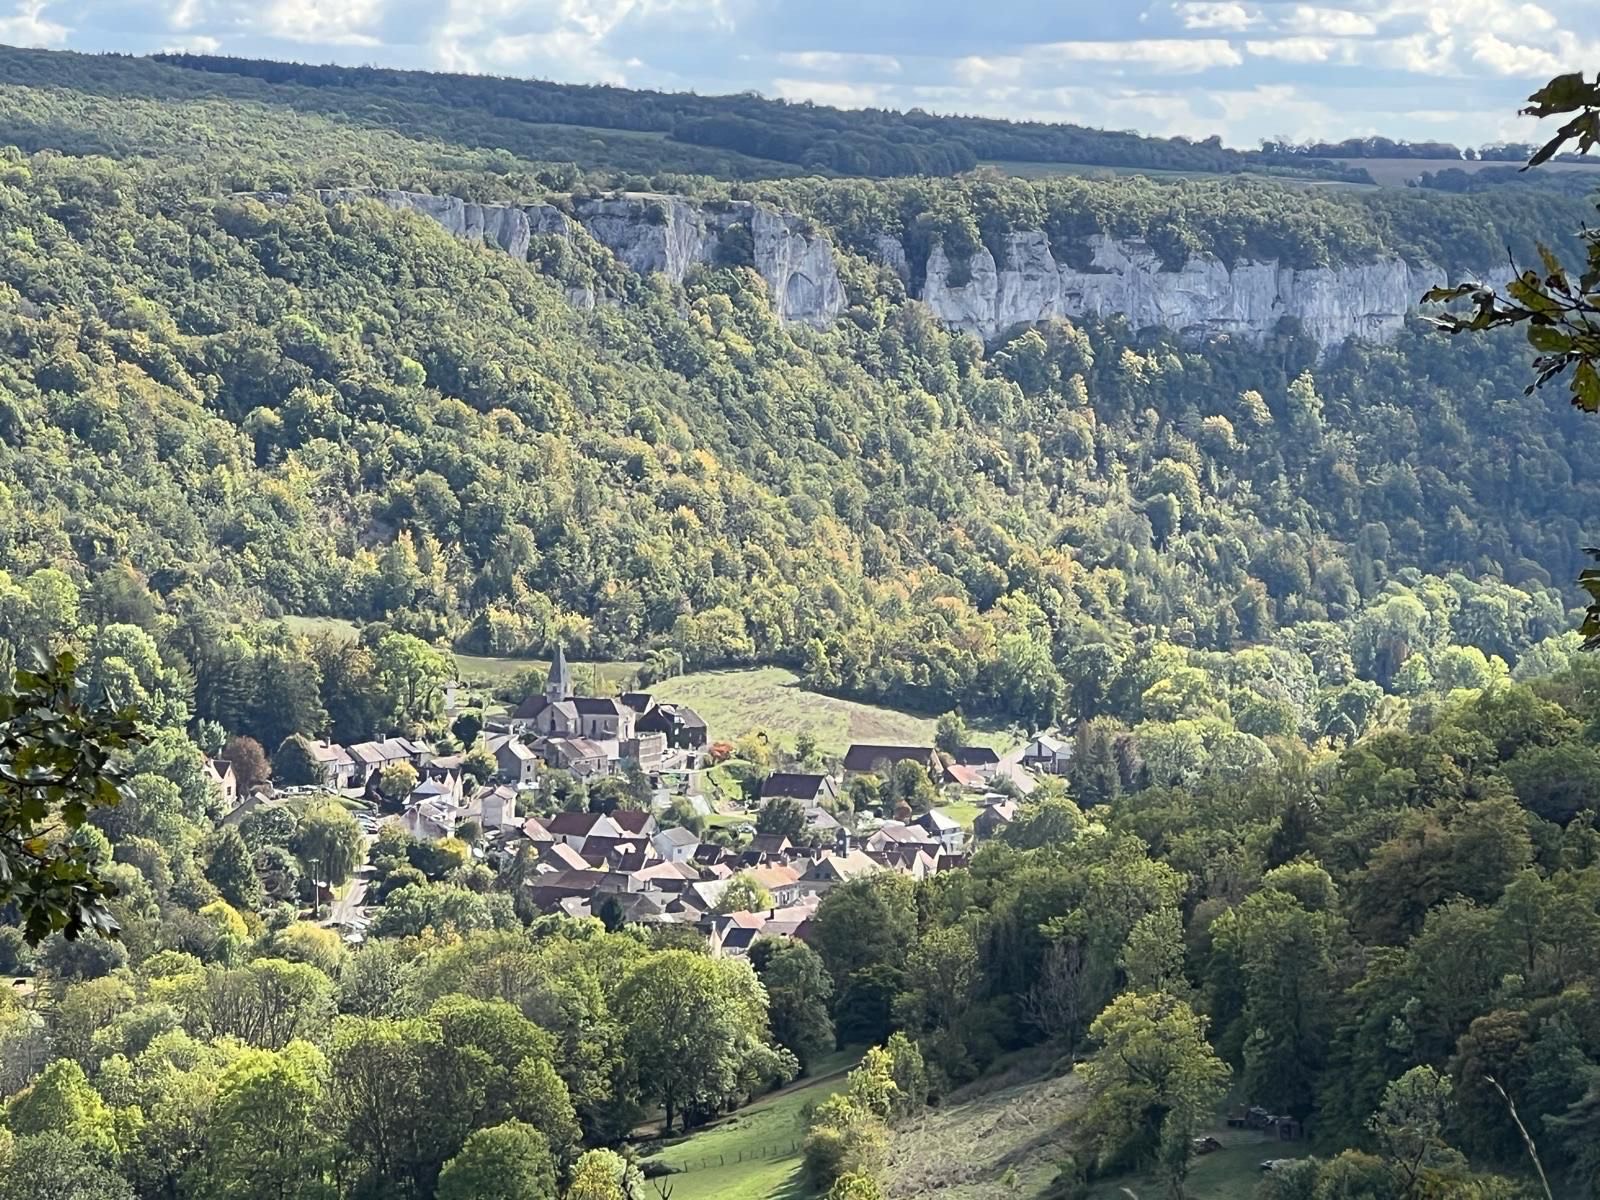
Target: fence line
[(767, 1153)]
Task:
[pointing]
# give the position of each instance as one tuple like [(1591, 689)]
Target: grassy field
[(963, 813), (1043, 170), (1231, 1173), (755, 1153), (1394, 172), (771, 698)]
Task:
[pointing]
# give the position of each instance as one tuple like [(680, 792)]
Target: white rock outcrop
[(667, 234), (648, 233), (1368, 300), (652, 232)]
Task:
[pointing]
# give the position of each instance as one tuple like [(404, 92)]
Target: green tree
[(509, 1161), (604, 1175), (267, 1002), (412, 675), (62, 1101), (397, 781), (867, 922), (53, 1166), (799, 993), (783, 817), (907, 783), (1409, 1126), (950, 733), (1152, 1081), (266, 1138), (697, 1032), (294, 765), (403, 1101), (744, 893), (329, 844), (1281, 955), (231, 867)]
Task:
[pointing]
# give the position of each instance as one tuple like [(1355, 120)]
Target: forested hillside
[(1328, 833), (307, 409)]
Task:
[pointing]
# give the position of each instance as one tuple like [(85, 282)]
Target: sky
[(1449, 70)]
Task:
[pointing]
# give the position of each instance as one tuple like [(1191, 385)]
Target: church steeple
[(559, 685)]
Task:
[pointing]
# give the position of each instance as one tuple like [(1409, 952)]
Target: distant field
[(1393, 172), (1041, 170), (771, 698), (754, 1154)]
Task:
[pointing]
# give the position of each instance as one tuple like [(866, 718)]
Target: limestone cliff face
[(1368, 300), (650, 232), (667, 234)]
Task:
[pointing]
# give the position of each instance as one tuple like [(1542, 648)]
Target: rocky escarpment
[(650, 232), (1204, 296)]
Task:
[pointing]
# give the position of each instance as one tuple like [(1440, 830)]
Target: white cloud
[(1334, 22), (976, 70), (28, 26), (1211, 14), (835, 62), (838, 94), (199, 44), (1465, 16), (1508, 58), (1419, 54), (348, 23), (1177, 55), (1301, 49)]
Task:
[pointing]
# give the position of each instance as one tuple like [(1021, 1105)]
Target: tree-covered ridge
[(875, 142), (336, 409), (596, 126)]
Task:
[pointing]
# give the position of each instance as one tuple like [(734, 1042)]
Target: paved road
[(1011, 767), (348, 906)]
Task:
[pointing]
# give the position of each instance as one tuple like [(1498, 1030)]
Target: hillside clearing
[(755, 1153), (988, 1141), (772, 698), (961, 1150)]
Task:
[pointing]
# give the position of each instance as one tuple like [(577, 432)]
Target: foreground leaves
[(60, 759)]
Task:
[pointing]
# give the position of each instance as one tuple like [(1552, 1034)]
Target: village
[(659, 846)]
